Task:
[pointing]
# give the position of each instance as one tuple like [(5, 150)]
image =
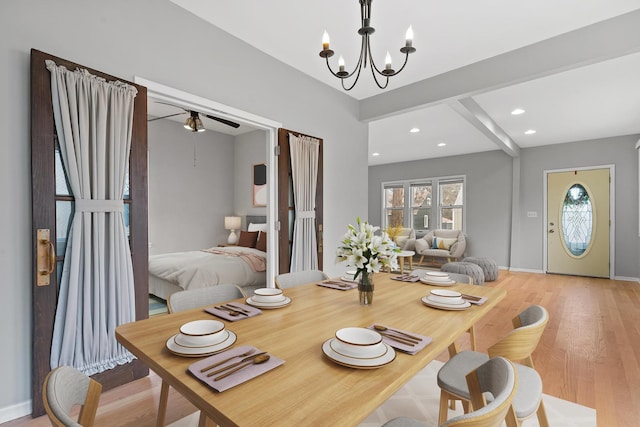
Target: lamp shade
[(232, 222)]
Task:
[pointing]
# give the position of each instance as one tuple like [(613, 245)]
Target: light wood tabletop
[(309, 388)]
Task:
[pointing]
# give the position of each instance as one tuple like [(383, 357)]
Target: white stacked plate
[(348, 276), (201, 338), (359, 348), (445, 299), (268, 298), (440, 278)]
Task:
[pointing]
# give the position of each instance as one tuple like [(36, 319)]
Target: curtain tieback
[(93, 205), (305, 214)]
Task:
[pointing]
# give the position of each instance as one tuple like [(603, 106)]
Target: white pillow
[(257, 227)]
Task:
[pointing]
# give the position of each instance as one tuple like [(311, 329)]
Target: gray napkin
[(338, 284), (223, 314), (405, 348), (243, 375)]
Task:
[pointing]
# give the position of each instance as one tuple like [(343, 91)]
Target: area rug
[(420, 397), (157, 306)]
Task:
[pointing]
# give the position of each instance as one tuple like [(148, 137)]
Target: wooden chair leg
[(466, 406), (444, 407), (511, 419), (162, 406), (542, 416)]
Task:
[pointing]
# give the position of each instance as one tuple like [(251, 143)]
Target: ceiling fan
[(193, 122)]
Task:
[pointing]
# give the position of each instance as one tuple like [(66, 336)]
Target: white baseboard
[(526, 270), (12, 412), (627, 279)]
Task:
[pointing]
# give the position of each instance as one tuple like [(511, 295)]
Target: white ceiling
[(590, 101)]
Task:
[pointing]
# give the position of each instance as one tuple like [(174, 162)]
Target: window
[(424, 204), (450, 204), (394, 205)]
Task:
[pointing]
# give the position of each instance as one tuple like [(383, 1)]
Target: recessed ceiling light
[(375, 154), (441, 144), (414, 130), (517, 111), (530, 132)]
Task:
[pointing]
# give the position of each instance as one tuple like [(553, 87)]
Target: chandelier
[(365, 53)]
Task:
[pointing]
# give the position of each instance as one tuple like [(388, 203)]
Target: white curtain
[(304, 170), (93, 121)]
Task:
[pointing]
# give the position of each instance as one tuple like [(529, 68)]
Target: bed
[(239, 265)]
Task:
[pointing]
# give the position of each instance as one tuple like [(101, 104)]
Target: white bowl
[(446, 296), (268, 295), (190, 341), (201, 333), (359, 342)]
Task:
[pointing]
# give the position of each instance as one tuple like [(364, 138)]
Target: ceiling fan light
[(199, 127), (189, 124)]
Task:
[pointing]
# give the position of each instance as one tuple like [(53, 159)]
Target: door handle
[(46, 257)]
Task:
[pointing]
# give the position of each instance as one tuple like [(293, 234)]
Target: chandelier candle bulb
[(387, 61), (409, 37), (325, 41), (341, 63)]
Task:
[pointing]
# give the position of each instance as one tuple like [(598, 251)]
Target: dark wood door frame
[(286, 209), (43, 211)]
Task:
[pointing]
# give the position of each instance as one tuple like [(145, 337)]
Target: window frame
[(435, 211)]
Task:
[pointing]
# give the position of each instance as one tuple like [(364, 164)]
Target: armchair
[(450, 245)]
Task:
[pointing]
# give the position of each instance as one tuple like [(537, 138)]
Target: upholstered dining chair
[(187, 300), (288, 280), (65, 387), (518, 345), (460, 278), (497, 376), (201, 297)]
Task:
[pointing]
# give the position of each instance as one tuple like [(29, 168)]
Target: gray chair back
[(202, 297), (288, 280), (66, 387)]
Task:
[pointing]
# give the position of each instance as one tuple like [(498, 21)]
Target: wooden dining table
[(310, 388)]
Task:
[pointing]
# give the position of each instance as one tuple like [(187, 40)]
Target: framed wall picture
[(259, 184)]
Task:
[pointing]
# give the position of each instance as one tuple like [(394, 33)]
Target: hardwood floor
[(589, 352)]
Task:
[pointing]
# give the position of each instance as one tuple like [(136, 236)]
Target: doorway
[(579, 232), (169, 95)]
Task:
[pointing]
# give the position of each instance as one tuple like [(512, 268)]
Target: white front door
[(578, 222)]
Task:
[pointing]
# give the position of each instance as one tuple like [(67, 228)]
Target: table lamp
[(232, 223)]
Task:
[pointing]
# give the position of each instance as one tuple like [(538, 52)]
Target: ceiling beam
[(612, 38), (480, 119)]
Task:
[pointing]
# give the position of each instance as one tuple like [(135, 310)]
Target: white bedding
[(198, 269)]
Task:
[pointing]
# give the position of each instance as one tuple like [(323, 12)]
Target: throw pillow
[(261, 244), (248, 239), (434, 243), (444, 243)]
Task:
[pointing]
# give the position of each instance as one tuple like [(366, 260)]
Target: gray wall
[(619, 151), (490, 189), (488, 196), (150, 39), (189, 187), (250, 148)]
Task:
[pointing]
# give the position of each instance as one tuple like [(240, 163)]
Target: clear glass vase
[(365, 288)]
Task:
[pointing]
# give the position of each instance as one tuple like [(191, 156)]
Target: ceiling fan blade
[(164, 117), (225, 121)]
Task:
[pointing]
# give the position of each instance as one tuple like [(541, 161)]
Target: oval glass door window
[(577, 220)]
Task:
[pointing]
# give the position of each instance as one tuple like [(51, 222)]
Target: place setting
[(341, 284), (437, 278), (404, 341), (233, 311), (268, 298), (348, 276), (201, 338), (445, 299), (233, 367), (359, 348)]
